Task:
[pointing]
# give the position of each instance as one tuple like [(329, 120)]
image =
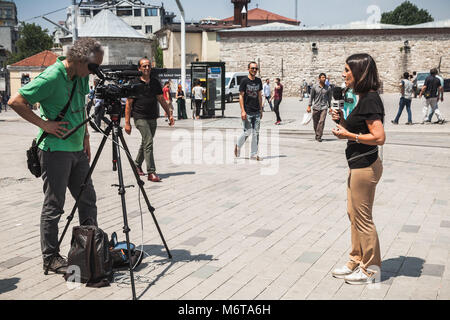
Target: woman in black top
[(181, 102), (364, 131)]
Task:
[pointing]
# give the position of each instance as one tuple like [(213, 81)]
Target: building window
[(85, 12), (137, 12), (151, 12), (163, 42), (124, 11), (137, 27), (148, 29), (95, 12)]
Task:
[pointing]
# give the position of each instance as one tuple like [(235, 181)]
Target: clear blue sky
[(310, 12)]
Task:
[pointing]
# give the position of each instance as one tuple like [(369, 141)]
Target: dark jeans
[(276, 108), (60, 170), (318, 117), (181, 103), (404, 102), (198, 107)]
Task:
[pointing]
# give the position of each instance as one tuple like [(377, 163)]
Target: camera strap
[(60, 115)]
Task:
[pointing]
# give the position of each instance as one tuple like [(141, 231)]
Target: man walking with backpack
[(431, 89)]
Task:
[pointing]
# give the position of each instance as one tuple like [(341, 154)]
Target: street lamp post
[(74, 21), (183, 45)]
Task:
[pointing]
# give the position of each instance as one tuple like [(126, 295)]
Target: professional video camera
[(115, 85)]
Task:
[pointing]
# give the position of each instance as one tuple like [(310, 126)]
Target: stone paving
[(244, 230)]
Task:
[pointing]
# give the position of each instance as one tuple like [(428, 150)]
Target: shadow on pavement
[(178, 255), (8, 284), (173, 174), (401, 266)]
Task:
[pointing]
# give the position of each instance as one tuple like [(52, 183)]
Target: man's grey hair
[(82, 49)]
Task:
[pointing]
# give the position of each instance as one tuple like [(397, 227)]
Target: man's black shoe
[(58, 265)]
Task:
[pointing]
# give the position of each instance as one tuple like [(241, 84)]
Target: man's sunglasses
[(253, 68)]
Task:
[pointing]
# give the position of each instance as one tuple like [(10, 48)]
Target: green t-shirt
[(52, 90)]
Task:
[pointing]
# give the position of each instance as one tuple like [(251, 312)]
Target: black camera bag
[(90, 252), (119, 254), (33, 162)]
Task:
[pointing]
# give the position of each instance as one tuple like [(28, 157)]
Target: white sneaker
[(340, 273), (359, 277)]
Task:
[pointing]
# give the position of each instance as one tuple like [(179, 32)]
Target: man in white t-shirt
[(406, 88), (267, 93), (198, 93)]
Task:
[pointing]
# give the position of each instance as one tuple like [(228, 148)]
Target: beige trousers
[(361, 185)]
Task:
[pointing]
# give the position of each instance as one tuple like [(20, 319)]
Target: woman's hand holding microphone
[(339, 131)]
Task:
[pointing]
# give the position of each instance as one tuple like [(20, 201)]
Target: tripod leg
[(72, 213), (141, 186), (126, 229)]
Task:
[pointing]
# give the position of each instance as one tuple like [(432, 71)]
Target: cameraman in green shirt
[(64, 163)]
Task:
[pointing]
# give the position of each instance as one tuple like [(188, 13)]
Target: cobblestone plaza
[(236, 231)]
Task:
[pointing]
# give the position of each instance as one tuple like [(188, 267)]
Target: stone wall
[(289, 56)]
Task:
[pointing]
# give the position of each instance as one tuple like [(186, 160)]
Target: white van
[(232, 82)]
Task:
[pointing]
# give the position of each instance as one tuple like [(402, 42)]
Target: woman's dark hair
[(365, 72), (322, 74), (406, 75)]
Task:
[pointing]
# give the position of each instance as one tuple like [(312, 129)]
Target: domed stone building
[(122, 43)]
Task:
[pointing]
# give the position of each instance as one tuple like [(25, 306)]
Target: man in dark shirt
[(250, 100), (431, 89), (145, 111)]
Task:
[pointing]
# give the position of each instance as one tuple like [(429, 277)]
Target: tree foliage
[(159, 61), (32, 39), (406, 14)]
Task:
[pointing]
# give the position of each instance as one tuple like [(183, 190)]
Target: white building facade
[(144, 18)]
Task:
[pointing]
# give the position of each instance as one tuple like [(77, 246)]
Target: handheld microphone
[(338, 97), (338, 93)]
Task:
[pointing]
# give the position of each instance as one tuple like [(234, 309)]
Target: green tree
[(157, 54), (159, 59), (406, 14), (32, 39)]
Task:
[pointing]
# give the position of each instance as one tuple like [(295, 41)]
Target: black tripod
[(117, 135)]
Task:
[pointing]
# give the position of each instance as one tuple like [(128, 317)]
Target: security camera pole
[(183, 46)]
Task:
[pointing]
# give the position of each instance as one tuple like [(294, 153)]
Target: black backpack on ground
[(90, 256)]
